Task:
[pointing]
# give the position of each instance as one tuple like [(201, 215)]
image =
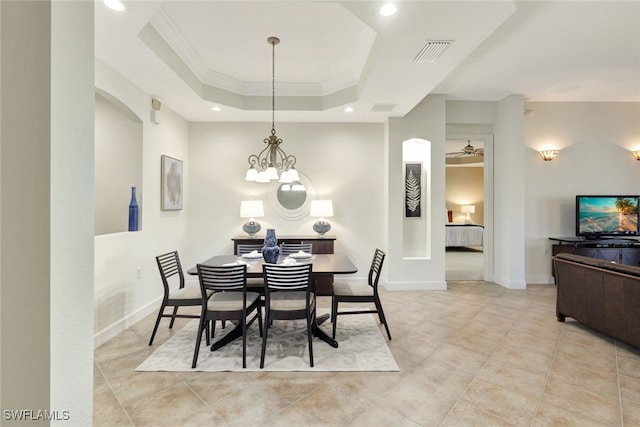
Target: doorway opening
[(468, 195)]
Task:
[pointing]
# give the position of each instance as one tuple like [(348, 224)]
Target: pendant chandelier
[(272, 163)]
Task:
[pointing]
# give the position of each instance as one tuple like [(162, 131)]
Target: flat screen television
[(607, 216)]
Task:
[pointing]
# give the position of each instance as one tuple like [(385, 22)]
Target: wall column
[(46, 211)]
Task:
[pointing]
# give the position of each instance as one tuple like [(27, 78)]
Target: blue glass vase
[(133, 211), (271, 250)]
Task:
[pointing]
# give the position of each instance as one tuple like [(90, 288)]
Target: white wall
[(120, 297), (509, 194), (426, 121), (594, 141), (47, 209), (465, 185), (118, 153), (344, 162)]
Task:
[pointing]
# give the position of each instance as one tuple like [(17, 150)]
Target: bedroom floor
[(464, 263)]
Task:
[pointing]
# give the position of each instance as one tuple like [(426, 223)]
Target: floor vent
[(432, 50)]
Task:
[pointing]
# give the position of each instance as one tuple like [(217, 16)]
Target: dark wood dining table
[(323, 264)]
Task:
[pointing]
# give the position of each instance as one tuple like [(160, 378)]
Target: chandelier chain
[(273, 87)]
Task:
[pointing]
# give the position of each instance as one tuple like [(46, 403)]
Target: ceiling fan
[(468, 154), (468, 150)]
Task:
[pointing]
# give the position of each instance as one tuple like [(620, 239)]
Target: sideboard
[(621, 251), (321, 245)]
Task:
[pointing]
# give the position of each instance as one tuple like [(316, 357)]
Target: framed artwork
[(413, 190), (171, 194)]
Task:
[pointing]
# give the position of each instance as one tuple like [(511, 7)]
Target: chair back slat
[(242, 249), (292, 248), (376, 266), (224, 278), (287, 277), (169, 266)]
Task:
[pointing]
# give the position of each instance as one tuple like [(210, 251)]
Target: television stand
[(622, 250)]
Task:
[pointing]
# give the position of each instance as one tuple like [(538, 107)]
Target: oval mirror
[(291, 204)]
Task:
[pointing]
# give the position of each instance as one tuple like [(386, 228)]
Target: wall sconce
[(251, 209), (321, 209), (636, 154), (548, 155), (468, 209)]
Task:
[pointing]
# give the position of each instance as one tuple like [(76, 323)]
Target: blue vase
[(133, 211), (271, 250)]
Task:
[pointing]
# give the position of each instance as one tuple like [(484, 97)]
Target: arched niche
[(416, 162), (118, 163)]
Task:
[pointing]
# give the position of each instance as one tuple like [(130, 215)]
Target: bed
[(463, 235)]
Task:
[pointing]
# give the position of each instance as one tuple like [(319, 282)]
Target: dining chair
[(292, 248), (242, 249), (255, 284), (288, 296), (224, 296), (360, 293), (172, 275)]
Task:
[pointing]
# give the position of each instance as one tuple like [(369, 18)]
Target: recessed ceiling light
[(348, 110), (116, 5), (388, 9), (216, 108)]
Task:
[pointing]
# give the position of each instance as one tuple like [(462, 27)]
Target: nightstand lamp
[(468, 209), (251, 209), (321, 209)]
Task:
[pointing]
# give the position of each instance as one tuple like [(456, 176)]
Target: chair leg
[(260, 320), (264, 339), (155, 328), (173, 316), (198, 339), (334, 316), (244, 342), (383, 319), (310, 319), (207, 327)]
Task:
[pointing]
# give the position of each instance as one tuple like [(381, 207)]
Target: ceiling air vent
[(432, 50)]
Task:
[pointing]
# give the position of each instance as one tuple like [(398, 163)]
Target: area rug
[(361, 348)]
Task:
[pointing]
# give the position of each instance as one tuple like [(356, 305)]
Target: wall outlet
[(546, 250), (139, 273)]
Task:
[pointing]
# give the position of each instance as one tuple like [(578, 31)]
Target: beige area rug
[(361, 348)]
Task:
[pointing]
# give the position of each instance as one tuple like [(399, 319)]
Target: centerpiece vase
[(271, 250), (133, 211)]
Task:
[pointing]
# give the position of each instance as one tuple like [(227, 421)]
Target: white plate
[(300, 255), (252, 256)]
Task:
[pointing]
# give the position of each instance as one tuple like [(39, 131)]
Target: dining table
[(323, 264)]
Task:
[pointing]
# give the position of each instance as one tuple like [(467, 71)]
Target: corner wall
[(594, 140), (121, 297), (343, 161), (425, 121)]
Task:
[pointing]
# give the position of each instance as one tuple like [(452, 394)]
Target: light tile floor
[(474, 355)]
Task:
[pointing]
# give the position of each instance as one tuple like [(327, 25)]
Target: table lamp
[(321, 209), (468, 209), (251, 209)]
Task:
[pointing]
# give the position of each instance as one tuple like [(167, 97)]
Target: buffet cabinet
[(321, 245), (618, 251)]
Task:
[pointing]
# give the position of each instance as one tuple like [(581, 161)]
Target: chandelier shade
[(273, 163)]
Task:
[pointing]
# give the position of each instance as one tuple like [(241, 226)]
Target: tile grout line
[(546, 378), (115, 396), (615, 346)]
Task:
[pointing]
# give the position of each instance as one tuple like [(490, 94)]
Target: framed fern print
[(413, 190)]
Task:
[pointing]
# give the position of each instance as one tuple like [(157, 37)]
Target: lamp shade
[(468, 209), (321, 208), (251, 209)]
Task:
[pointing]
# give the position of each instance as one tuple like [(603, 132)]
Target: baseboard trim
[(115, 328)]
